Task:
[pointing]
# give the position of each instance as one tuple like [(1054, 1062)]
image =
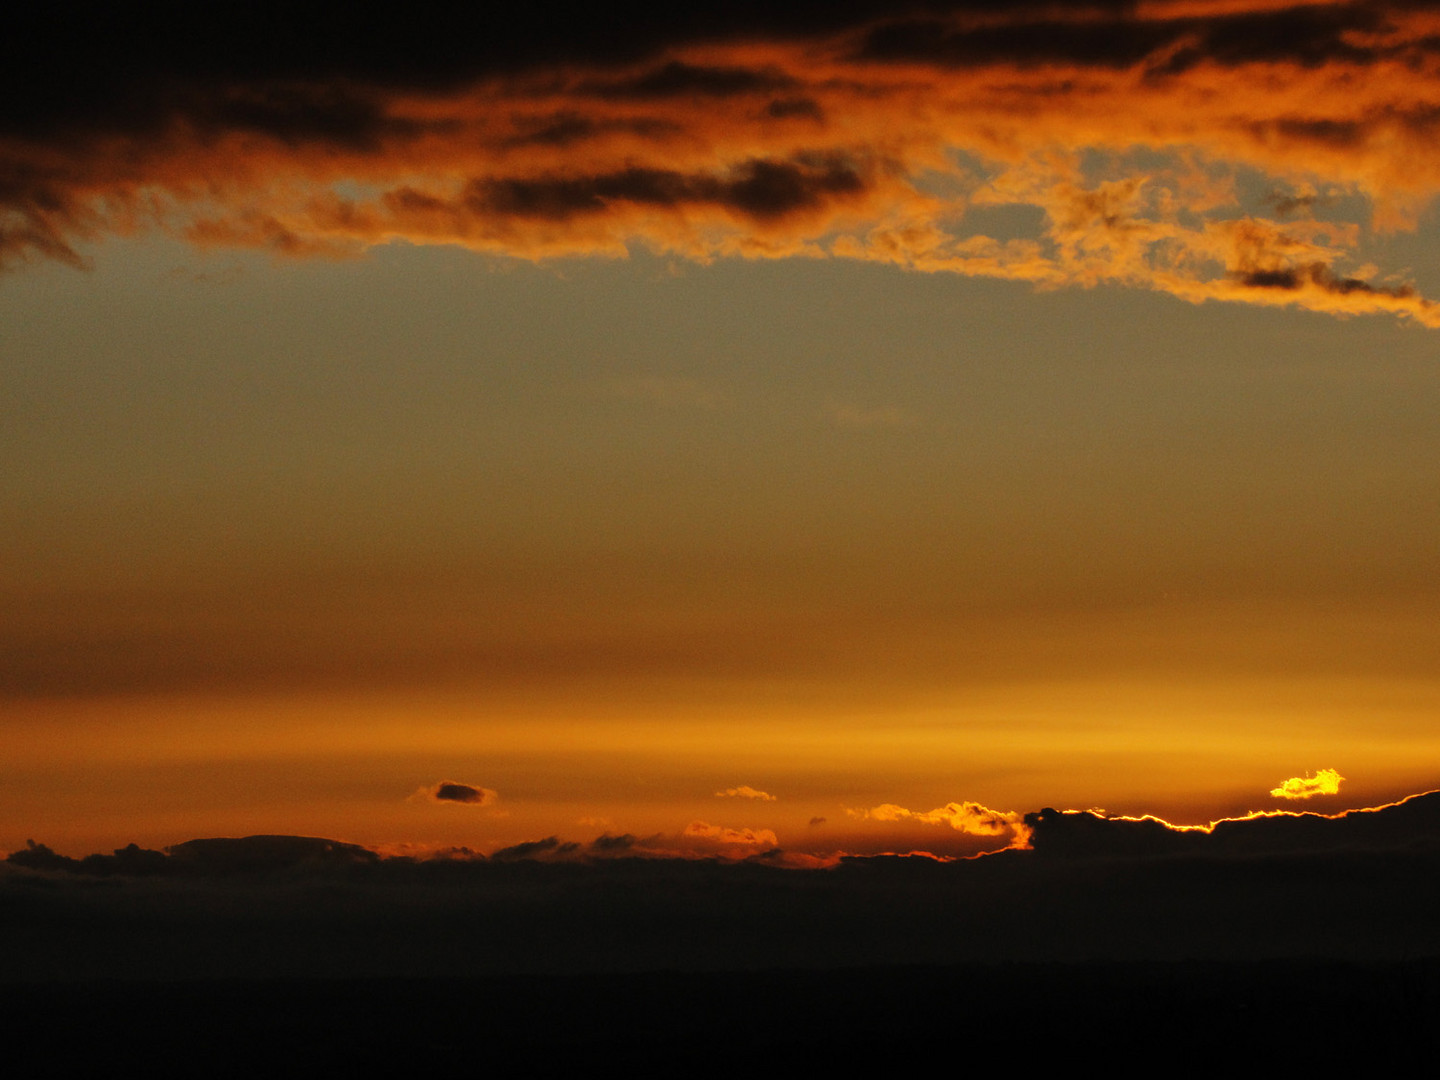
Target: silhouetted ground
[(1290, 1016), (1288, 945)]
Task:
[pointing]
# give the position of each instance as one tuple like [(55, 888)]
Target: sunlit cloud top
[(1324, 782), (1227, 150)]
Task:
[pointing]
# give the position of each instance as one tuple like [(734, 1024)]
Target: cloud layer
[(1242, 150)]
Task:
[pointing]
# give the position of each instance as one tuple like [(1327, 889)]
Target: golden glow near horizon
[(705, 445)]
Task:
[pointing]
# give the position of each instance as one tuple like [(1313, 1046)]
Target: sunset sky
[(729, 428)]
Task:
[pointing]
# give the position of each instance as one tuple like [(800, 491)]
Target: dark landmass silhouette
[(1360, 886), (1276, 1016), (1255, 942)]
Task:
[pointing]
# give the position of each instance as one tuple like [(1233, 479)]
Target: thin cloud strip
[(745, 791), (869, 135)]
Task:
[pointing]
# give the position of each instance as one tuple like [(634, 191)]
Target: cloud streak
[(745, 791), (862, 132)]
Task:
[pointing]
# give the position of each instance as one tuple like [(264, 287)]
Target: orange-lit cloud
[(745, 791), (1324, 782), (728, 837), (967, 817), (1120, 140)]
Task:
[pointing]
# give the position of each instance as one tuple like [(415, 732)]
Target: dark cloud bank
[(1116, 936), (707, 130)]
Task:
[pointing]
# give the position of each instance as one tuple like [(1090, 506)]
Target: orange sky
[(1024, 407)]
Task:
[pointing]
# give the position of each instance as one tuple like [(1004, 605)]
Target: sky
[(849, 429)]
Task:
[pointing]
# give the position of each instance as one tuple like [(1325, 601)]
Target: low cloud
[(550, 848), (745, 791), (728, 837), (1324, 782), (607, 844), (967, 817)]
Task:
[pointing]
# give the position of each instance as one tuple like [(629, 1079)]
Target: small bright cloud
[(1324, 782), (745, 791)]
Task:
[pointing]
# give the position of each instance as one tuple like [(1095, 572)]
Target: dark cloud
[(35, 856), (550, 847), (1317, 276), (131, 860), (451, 791), (1111, 43), (610, 845), (715, 130), (81, 67), (455, 793), (676, 79), (1286, 205), (758, 189), (262, 854), (1308, 34), (1320, 131), (1091, 36), (135, 70), (569, 128), (786, 108)]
